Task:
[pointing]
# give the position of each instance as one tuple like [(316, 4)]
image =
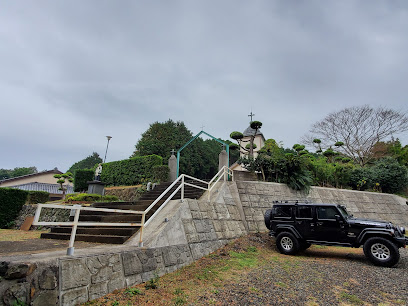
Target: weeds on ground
[(351, 298), (133, 291), (153, 283), (181, 297)]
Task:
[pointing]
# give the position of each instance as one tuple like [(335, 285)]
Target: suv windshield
[(344, 212)]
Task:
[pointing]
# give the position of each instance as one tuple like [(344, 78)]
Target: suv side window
[(326, 213), (283, 212), (304, 212)]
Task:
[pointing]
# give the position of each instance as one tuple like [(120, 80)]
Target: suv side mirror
[(338, 218)]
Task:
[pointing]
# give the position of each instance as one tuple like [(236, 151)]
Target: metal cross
[(251, 115), (202, 127), (172, 152)]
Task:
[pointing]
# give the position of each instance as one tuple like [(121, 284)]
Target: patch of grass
[(280, 284), (18, 235), (207, 274), (351, 298), (181, 297), (133, 291), (244, 260)]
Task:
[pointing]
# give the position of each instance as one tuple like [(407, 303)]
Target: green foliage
[(87, 163), (153, 283), (256, 125), (11, 202), (278, 166), (18, 171), (62, 179), (236, 135), (129, 172), (161, 173), (339, 144), (199, 158), (81, 177), (391, 176), (38, 197), (248, 146), (91, 197), (316, 140), (133, 291)]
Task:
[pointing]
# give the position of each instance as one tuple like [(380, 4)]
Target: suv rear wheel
[(287, 243), (381, 252)]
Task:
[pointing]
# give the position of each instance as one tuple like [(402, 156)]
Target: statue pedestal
[(96, 187)]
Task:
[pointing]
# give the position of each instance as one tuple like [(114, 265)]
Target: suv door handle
[(319, 223)]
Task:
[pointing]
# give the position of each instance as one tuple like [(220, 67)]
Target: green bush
[(11, 202), (81, 177), (391, 175), (161, 173), (38, 197), (91, 197), (129, 172)]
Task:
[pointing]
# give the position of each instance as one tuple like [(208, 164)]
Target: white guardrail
[(224, 173)]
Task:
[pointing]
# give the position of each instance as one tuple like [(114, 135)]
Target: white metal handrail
[(223, 173)]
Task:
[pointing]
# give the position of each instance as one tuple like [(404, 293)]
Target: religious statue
[(98, 172)]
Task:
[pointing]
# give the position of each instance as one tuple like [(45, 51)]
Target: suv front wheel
[(287, 243), (381, 252)]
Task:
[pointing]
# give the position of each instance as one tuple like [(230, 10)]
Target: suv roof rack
[(292, 202)]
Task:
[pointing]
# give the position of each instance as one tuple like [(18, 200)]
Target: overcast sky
[(73, 72)]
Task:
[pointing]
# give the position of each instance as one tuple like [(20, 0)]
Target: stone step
[(108, 231), (88, 238)]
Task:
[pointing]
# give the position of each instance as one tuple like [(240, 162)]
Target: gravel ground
[(251, 271), (320, 276)]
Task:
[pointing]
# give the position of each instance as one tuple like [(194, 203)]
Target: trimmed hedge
[(81, 177), (129, 172), (91, 197), (161, 173), (11, 202), (38, 197)]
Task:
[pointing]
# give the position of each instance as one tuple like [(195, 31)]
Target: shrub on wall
[(81, 177), (129, 172), (161, 173), (38, 197), (11, 202)]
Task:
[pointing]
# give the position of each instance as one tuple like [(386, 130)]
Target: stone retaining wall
[(181, 233), (47, 214)]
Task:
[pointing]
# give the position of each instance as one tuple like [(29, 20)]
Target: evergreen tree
[(87, 163)]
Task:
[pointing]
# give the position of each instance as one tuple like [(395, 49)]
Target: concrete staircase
[(118, 235)]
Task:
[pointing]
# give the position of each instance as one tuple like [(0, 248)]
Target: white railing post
[(209, 193), (141, 230), (70, 250), (182, 188)]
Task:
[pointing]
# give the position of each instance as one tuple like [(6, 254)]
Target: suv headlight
[(402, 229)]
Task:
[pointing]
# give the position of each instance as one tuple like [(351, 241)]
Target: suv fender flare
[(386, 233), (287, 228)]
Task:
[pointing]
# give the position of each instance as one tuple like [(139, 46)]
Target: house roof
[(51, 188), (250, 132), (55, 171)]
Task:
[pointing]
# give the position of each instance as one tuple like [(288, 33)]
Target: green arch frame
[(194, 138)]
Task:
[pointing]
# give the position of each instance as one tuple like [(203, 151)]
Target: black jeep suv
[(298, 225)]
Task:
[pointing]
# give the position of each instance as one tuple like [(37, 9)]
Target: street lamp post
[(107, 145)]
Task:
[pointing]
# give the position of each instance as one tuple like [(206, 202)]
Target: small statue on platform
[(98, 172)]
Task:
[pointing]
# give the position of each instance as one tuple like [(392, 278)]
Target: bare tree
[(359, 128)]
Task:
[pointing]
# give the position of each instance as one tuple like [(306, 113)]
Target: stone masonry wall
[(181, 233), (257, 197)]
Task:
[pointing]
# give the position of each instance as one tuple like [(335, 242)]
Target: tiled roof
[(56, 171), (51, 188)]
